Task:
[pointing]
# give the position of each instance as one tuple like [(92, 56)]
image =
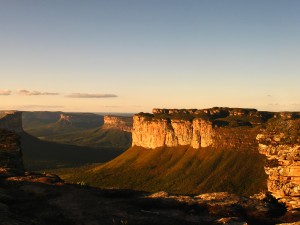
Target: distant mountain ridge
[(83, 129)]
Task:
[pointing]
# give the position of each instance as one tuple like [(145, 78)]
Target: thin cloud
[(86, 95), (30, 93), (112, 106), (36, 107), (5, 92)]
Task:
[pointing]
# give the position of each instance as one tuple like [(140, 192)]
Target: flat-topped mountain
[(200, 128), (217, 149)]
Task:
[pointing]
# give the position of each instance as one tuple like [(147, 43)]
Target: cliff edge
[(198, 128), (11, 120), (118, 122), (280, 142)]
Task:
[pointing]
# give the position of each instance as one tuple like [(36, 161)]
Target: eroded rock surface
[(196, 127), (280, 142), (118, 122), (154, 133)]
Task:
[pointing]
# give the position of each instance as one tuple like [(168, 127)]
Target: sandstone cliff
[(280, 142), (11, 120), (118, 122), (197, 128), (154, 133)]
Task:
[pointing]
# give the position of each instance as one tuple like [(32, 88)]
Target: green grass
[(181, 170)]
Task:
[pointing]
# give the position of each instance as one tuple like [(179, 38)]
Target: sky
[(135, 55)]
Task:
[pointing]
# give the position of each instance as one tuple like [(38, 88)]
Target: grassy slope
[(95, 138), (182, 170)]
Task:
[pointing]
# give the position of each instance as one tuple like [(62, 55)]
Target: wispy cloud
[(86, 95), (37, 107), (5, 92), (112, 106), (32, 107), (30, 93)]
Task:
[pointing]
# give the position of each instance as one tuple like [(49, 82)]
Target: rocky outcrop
[(118, 122), (81, 120), (11, 162), (11, 120), (280, 142)]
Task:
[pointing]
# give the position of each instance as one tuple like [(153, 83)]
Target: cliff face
[(216, 127), (198, 128), (154, 133), (280, 142), (11, 120), (118, 122)]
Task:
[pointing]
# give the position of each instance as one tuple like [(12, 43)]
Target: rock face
[(216, 127), (11, 162), (11, 120), (154, 133), (280, 142), (195, 127), (118, 122)]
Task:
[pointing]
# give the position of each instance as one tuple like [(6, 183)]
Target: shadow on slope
[(105, 138), (41, 155), (180, 170)]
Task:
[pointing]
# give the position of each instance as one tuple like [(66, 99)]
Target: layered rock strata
[(118, 122), (280, 142), (216, 127)]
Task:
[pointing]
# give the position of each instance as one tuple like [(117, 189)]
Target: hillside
[(95, 138), (180, 171)]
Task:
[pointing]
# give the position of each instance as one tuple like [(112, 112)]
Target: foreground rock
[(280, 142), (44, 199)]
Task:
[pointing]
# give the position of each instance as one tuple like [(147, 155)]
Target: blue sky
[(131, 56)]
